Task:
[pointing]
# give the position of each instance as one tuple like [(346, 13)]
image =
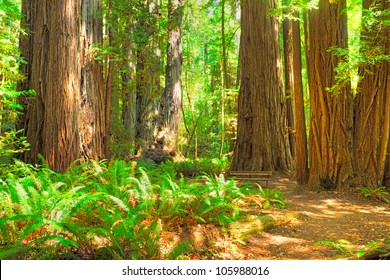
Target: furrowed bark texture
[(148, 55), (261, 137), (129, 93), (170, 103), (64, 121), (330, 141), (372, 126), (294, 91), (386, 180), (301, 158), (289, 82)]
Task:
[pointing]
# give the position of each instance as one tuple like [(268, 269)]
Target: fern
[(22, 198), (271, 198), (14, 252), (378, 193), (181, 249), (123, 204), (343, 246)]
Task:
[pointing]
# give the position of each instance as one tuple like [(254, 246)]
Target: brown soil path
[(319, 216)]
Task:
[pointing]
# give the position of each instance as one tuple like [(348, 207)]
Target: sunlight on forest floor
[(324, 216), (315, 225)]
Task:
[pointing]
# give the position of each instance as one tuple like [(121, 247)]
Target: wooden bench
[(252, 176)]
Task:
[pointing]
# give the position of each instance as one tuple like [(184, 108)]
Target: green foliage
[(11, 143), (375, 23), (272, 198), (346, 248), (343, 246), (9, 32), (217, 200), (10, 16), (132, 51), (367, 39), (289, 9), (196, 168), (378, 193), (106, 210), (380, 247), (202, 77)]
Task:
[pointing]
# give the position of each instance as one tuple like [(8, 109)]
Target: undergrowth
[(347, 250), (379, 193), (196, 168), (106, 210)]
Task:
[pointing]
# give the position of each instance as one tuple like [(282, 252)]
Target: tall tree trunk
[(372, 127), (386, 180), (194, 133), (224, 77), (330, 139), (109, 83), (25, 46), (147, 75), (170, 103), (64, 121), (293, 72), (93, 140), (289, 81), (261, 142), (129, 94)]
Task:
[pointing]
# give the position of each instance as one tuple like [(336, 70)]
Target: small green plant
[(217, 200), (346, 248), (196, 168), (271, 198), (378, 193), (374, 247), (12, 143)]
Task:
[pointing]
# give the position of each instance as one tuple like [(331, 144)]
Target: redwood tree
[(170, 103), (261, 137), (64, 120), (386, 180), (330, 141), (295, 101), (147, 78), (372, 127)]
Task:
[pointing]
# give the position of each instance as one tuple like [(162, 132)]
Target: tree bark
[(170, 103), (289, 82), (224, 78), (65, 120), (261, 136), (330, 141), (147, 75), (109, 86), (372, 127), (25, 46), (129, 94), (293, 85), (386, 180)]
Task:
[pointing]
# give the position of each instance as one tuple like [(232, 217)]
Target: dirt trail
[(320, 216)]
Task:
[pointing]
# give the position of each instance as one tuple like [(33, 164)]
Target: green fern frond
[(181, 249), (145, 183), (23, 199), (59, 241), (14, 251), (6, 205)]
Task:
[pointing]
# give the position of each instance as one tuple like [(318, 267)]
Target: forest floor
[(348, 219)]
